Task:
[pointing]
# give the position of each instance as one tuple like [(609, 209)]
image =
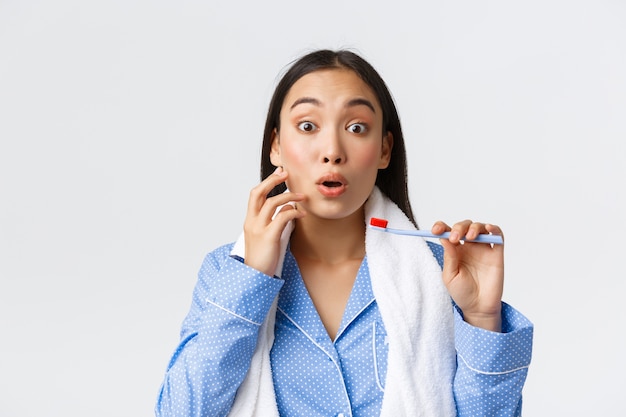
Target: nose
[(334, 160), (333, 152)]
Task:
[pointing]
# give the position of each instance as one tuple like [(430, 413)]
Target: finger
[(270, 230), (271, 205), (284, 215), (459, 230), (477, 228), (474, 230), (439, 227), (495, 230), (450, 260), (259, 193), (275, 228)]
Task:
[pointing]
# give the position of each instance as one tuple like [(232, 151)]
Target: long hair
[(392, 181)]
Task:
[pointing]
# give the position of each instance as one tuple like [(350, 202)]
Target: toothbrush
[(381, 224)]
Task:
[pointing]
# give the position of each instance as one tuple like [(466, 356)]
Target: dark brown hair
[(392, 181)]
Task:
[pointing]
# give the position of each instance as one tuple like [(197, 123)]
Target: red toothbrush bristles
[(378, 222)]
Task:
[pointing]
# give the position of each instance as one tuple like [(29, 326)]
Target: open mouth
[(332, 185)]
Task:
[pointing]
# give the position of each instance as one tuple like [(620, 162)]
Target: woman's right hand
[(262, 234)]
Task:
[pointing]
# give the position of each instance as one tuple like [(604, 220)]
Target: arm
[(492, 366), (218, 337), (230, 302), (473, 273)]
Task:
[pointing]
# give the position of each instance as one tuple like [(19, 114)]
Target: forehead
[(330, 85)]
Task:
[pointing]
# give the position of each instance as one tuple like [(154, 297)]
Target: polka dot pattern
[(497, 363), (313, 375)]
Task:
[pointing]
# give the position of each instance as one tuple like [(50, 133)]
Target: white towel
[(417, 314)]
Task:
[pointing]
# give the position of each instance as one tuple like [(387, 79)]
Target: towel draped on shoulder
[(417, 314)]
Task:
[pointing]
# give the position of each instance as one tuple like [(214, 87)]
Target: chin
[(333, 210)]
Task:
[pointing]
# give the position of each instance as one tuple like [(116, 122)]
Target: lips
[(332, 185)]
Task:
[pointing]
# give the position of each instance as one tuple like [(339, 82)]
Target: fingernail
[(454, 236)]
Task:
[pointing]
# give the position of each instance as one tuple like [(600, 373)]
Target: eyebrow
[(352, 103), (306, 100), (361, 102)]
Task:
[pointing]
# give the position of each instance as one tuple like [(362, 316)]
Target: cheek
[(294, 154), (294, 160), (369, 157)]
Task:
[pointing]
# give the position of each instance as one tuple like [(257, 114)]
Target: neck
[(330, 241)]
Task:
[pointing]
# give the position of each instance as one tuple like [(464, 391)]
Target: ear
[(387, 146), (275, 157)]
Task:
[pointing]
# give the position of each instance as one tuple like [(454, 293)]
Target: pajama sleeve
[(218, 337)]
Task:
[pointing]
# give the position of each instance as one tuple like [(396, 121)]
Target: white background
[(130, 135)]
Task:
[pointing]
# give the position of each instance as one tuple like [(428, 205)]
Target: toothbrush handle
[(482, 238)]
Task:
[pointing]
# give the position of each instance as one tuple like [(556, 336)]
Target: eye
[(307, 127), (357, 128)]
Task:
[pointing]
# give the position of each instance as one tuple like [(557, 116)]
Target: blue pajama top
[(314, 375)]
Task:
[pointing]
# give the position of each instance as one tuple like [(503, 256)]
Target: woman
[(311, 314)]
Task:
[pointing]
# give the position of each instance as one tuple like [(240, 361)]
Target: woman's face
[(331, 142)]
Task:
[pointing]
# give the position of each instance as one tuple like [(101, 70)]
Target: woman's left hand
[(473, 273)]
